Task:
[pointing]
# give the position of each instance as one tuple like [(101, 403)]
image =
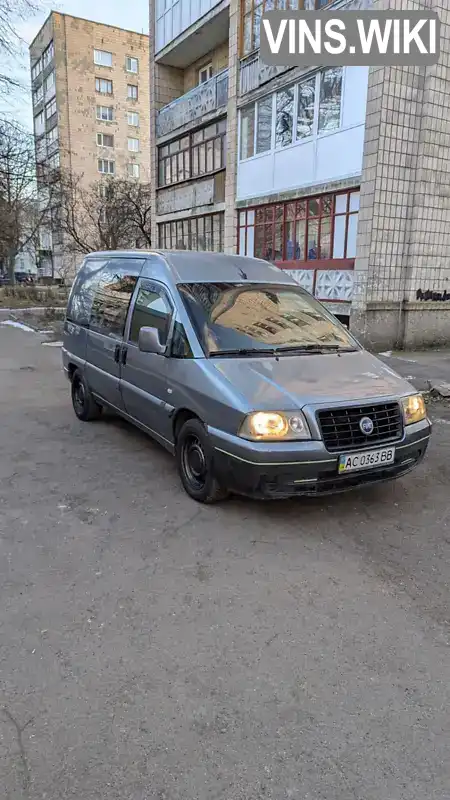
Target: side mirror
[(149, 341)]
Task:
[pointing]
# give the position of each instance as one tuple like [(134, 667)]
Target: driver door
[(144, 375)]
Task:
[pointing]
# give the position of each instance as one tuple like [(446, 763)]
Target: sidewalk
[(424, 369)]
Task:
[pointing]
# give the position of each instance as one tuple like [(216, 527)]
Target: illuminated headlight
[(414, 409), (271, 426)]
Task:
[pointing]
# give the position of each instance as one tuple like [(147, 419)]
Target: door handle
[(117, 353), (124, 355)]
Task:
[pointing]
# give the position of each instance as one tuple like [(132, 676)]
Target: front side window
[(151, 310), (102, 58), (112, 294), (232, 317)]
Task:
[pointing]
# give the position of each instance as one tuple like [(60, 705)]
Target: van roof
[(192, 266)]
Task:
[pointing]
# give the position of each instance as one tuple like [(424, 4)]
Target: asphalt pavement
[(155, 649)]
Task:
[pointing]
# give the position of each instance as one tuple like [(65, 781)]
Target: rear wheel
[(194, 456), (84, 405)]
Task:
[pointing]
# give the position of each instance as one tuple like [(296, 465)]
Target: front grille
[(341, 432)]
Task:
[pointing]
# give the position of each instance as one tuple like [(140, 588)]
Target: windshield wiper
[(244, 351), (314, 348)]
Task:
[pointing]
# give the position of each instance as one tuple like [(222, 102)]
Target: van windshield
[(238, 319)]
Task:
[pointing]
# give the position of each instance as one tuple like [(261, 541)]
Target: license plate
[(350, 462)]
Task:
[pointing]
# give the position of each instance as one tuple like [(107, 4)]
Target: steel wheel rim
[(194, 462), (79, 396)]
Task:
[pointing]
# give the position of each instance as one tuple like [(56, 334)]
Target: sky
[(130, 15)]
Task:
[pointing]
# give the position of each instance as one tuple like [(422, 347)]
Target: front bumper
[(305, 468)]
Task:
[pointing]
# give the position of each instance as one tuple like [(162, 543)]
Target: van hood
[(296, 381)]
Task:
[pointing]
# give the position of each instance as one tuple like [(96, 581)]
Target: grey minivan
[(239, 372)]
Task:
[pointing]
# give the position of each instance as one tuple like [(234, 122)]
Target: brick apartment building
[(90, 92), (340, 176)]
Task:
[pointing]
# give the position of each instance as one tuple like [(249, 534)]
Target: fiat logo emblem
[(366, 426)]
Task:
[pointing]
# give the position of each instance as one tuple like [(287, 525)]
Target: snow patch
[(13, 324), (52, 344)]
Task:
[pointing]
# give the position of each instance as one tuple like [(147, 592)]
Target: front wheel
[(195, 464), (83, 402)]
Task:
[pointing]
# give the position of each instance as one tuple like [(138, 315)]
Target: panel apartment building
[(90, 93), (340, 176)]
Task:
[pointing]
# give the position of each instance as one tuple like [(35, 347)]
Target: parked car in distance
[(239, 372)]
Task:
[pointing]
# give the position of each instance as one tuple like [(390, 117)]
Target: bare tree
[(23, 209), (12, 13), (108, 214)]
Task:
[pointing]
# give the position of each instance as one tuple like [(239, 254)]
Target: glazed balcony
[(207, 99)]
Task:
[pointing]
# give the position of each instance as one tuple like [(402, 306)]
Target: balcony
[(186, 30), (253, 73), (205, 99)]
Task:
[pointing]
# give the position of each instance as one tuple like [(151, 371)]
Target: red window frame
[(274, 224)]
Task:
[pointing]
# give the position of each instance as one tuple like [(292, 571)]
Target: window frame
[(169, 232), (109, 264), (109, 162), (189, 154), (148, 284), (101, 140), (277, 214), (99, 63), (133, 164), (104, 119), (98, 84), (293, 5), (133, 114), (209, 71), (49, 105), (316, 75), (133, 149), (132, 86), (132, 71)]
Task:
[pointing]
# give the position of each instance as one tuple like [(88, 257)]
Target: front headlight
[(275, 426), (414, 409)]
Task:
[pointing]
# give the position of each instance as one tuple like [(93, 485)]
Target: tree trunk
[(11, 267)]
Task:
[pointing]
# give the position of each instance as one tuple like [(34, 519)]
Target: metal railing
[(203, 99)]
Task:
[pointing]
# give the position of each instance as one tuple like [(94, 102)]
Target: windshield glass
[(230, 317)]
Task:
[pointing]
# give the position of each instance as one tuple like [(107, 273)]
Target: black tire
[(195, 463), (84, 405)]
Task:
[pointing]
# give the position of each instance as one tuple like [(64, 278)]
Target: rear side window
[(112, 295), (83, 290), (151, 310)]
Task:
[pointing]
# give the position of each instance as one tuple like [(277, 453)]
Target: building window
[(284, 109), (49, 81), (103, 86), (205, 73), (133, 170), (36, 69), (330, 100), (38, 95), (193, 233), (132, 92), (247, 132), (252, 11), (53, 161), (50, 109), (52, 136), (48, 55), (131, 64), (105, 113), (314, 228), (102, 58), (133, 118), (197, 154), (105, 140), (295, 113), (133, 145), (39, 123), (106, 167)]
